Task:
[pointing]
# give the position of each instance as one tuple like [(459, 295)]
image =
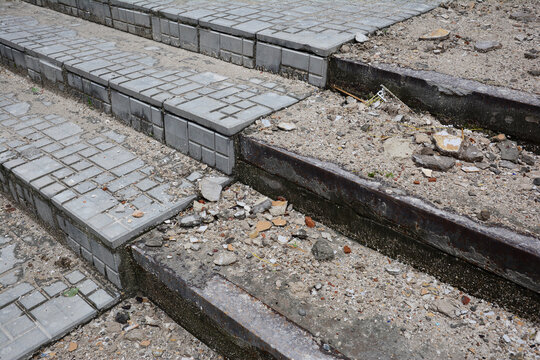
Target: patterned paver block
[(86, 185), (285, 33), (31, 317), (129, 86), (37, 308)]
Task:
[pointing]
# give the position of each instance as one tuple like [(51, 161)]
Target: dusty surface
[(148, 334), (360, 302), (373, 143), (164, 55), (515, 24)]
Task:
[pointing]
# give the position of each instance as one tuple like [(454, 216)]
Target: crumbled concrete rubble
[(464, 170), (335, 287), (492, 41), (134, 329)]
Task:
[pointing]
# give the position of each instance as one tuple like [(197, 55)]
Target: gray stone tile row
[(86, 185), (37, 308), (31, 317), (232, 30), (133, 89)]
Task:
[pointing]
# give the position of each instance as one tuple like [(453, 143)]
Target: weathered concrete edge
[(249, 326), (506, 253), (458, 101)]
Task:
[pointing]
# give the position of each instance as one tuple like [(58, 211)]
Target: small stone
[(522, 16), (484, 215), (472, 193), (422, 138), (322, 250), (154, 242), (225, 259), (527, 159), (500, 137), (439, 34), (445, 308), (285, 126), (240, 214), (392, 270), (121, 317), (195, 247), (190, 220), (427, 172), (470, 169), (309, 222), (72, 346), (397, 148), (360, 38), (301, 312), (471, 154), (536, 182), (300, 234), (465, 300), (435, 162), (145, 343), (198, 206), (137, 214), (446, 143), (263, 226), (346, 249), (485, 46), (278, 208), (508, 165), (506, 339), (282, 239), (509, 150), (210, 189), (230, 247), (261, 205), (279, 222)]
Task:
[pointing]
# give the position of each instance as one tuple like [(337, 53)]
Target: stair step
[(279, 36), (44, 291), (194, 110), (88, 183), (266, 294)]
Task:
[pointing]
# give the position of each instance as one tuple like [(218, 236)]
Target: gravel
[(376, 143), (356, 292), (506, 35)]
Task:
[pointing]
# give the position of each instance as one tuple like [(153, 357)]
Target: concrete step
[(187, 106), (249, 279), (45, 291), (97, 186), (287, 37)]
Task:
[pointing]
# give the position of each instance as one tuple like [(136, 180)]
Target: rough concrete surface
[(511, 24), (397, 310), (381, 142)]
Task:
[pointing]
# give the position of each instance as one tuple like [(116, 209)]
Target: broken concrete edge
[(235, 323), (306, 60), (457, 101), (502, 252)]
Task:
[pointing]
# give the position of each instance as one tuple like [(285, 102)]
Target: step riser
[(460, 102), (191, 139), (222, 314), (84, 243), (164, 27), (471, 257)]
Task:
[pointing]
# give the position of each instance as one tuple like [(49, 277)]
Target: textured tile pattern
[(32, 315), (85, 184), (230, 30), (134, 90)]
